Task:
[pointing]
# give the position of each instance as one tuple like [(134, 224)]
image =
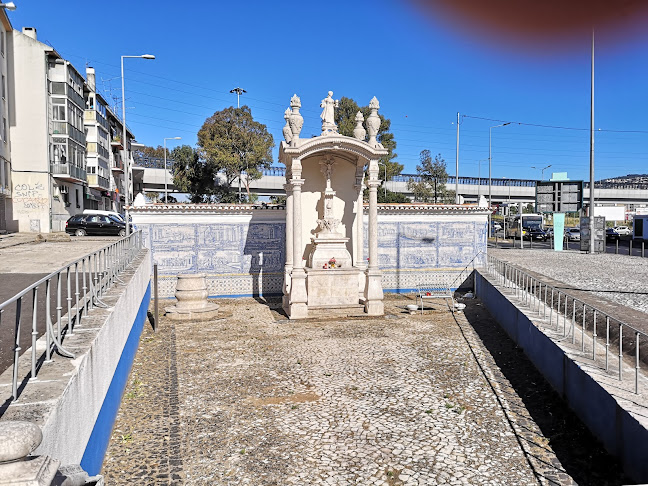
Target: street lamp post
[(541, 169), (166, 192), (490, 167), (127, 177), (239, 92)]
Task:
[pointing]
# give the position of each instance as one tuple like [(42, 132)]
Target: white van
[(105, 213)]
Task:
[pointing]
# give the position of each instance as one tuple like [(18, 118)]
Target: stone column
[(298, 308), (358, 259), (373, 293), (289, 246)]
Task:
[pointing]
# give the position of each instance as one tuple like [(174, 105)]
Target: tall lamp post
[(541, 169), (490, 167), (166, 191), (125, 140), (239, 92)]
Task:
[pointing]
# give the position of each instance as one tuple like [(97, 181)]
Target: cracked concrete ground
[(401, 400)]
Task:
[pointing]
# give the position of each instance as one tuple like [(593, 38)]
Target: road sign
[(559, 196)]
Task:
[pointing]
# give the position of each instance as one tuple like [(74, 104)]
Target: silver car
[(572, 234)]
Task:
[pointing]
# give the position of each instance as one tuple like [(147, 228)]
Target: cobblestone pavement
[(619, 278), (401, 400)]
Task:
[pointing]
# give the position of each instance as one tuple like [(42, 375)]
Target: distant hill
[(628, 179)]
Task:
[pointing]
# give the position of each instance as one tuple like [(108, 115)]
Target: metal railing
[(71, 170), (576, 316), (79, 287)]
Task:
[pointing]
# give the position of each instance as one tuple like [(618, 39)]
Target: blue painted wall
[(98, 441), (247, 258)]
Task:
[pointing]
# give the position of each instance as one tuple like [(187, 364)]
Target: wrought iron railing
[(79, 287), (557, 305)]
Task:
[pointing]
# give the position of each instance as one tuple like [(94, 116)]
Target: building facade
[(66, 142), (5, 152)]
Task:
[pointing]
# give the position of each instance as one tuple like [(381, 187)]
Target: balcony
[(64, 128), (94, 115), (97, 182), (117, 164), (68, 172)]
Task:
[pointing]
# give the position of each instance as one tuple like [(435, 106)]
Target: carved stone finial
[(328, 114), (295, 120), (359, 132), (373, 123), (287, 132)]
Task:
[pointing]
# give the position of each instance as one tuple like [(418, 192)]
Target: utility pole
[(239, 92), (457, 165), (591, 193)]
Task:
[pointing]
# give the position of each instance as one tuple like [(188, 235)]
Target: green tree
[(199, 179), (147, 151), (433, 177), (345, 120), (231, 142), (152, 196)]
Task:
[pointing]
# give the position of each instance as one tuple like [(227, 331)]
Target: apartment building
[(48, 150), (5, 147)]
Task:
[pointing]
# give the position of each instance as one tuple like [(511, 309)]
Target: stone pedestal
[(327, 247), (191, 293), (332, 287)]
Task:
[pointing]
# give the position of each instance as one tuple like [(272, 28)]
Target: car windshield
[(113, 219)]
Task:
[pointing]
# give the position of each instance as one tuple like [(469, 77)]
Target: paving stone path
[(253, 399)]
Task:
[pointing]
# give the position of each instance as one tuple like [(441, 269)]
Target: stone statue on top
[(328, 114)]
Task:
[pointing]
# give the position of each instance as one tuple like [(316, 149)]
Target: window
[(59, 153), (4, 129), (2, 43), (78, 200), (58, 112), (4, 87)]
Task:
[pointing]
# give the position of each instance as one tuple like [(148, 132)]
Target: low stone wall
[(241, 249), (75, 401), (620, 431)]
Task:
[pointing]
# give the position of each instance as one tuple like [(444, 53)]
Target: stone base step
[(322, 311)]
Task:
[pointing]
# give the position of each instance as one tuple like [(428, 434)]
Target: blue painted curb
[(95, 450)]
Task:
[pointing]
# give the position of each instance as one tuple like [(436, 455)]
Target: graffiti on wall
[(28, 198)]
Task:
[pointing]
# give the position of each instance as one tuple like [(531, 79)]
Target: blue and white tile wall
[(246, 258)]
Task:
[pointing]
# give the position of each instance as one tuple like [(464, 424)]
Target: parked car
[(495, 226), (95, 224), (535, 234), (612, 234), (573, 234), (623, 230), (105, 213)]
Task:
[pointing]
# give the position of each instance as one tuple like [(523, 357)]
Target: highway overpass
[(152, 178)]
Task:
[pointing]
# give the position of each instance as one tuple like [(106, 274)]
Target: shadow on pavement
[(581, 455)]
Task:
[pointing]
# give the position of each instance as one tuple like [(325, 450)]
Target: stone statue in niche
[(328, 224), (328, 114), (287, 132)]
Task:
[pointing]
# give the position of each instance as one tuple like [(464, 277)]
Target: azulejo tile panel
[(247, 258)]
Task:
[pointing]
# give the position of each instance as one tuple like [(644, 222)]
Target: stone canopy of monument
[(325, 180)]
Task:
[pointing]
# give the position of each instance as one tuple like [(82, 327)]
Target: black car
[(95, 224), (535, 234), (612, 234)]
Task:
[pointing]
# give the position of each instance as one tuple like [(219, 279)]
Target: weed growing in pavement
[(126, 438)]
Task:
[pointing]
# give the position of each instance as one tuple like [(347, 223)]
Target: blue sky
[(422, 68)]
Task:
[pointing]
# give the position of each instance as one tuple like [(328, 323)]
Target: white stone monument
[(325, 265)]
